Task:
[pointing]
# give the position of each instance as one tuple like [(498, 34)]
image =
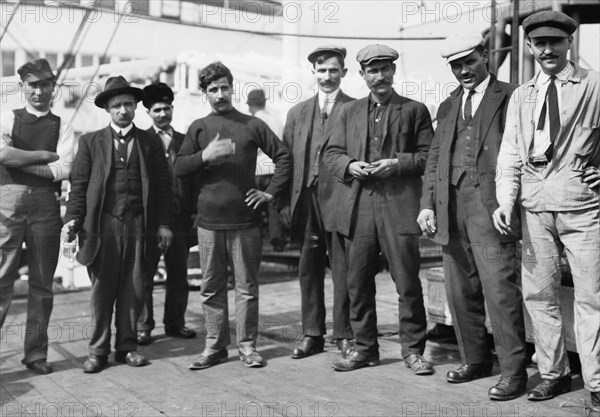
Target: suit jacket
[(298, 127), (89, 175), (407, 137), (436, 187)]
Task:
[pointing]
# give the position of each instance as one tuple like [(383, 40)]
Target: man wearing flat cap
[(459, 198), (549, 163), (309, 206), (158, 99), (377, 152), (36, 150), (120, 206)]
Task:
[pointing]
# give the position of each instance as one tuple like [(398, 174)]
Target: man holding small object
[(220, 151)]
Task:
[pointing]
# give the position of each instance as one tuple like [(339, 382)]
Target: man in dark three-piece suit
[(308, 208), (377, 151), (120, 206), (158, 99), (459, 198)]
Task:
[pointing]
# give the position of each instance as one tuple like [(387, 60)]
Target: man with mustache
[(36, 150), (459, 198), (220, 151), (309, 205), (378, 151), (158, 99), (120, 206), (550, 161)]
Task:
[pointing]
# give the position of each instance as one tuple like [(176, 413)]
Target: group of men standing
[(347, 180)]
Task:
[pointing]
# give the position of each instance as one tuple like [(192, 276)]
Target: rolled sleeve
[(65, 149)]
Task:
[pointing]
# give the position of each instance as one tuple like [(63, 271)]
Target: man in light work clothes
[(459, 198), (550, 161), (308, 207), (36, 150)]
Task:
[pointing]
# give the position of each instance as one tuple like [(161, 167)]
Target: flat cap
[(549, 23), (460, 45), (256, 97), (36, 70), (332, 49), (157, 93), (376, 53), (115, 86)]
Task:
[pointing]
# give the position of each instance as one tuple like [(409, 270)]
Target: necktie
[(122, 148), (550, 103), (469, 106), (326, 108), (165, 138)]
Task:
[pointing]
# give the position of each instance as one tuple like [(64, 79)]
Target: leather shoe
[(206, 361), (40, 367), (95, 364), (508, 388), (344, 346), (595, 397), (144, 337), (131, 358), (182, 332), (549, 388), (309, 346), (468, 372), (355, 360), (418, 364), (250, 357)]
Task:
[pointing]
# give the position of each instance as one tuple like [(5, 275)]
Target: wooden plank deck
[(285, 387)]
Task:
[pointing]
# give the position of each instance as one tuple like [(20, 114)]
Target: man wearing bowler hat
[(120, 206), (377, 151), (550, 162), (459, 198), (158, 99), (308, 207), (36, 150)]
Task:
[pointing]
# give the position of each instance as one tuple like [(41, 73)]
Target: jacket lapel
[(306, 122), (143, 152), (492, 100), (394, 110), (361, 127), (449, 127)]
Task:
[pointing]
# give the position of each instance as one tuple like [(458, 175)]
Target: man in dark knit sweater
[(220, 150)]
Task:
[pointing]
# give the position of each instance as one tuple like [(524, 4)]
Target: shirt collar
[(562, 76), (168, 130), (124, 130), (480, 88), (332, 96), (35, 112)]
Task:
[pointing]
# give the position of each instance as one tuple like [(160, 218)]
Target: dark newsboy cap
[(376, 53), (115, 86), (549, 23), (256, 97), (157, 93), (314, 55), (36, 70)]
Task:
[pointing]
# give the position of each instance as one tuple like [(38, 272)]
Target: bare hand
[(68, 231), (426, 221), (48, 156), (591, 176), (501, 219), (218, 148), (165, 237), (255, 198), (384, 168), (356, 169), (285, 215)]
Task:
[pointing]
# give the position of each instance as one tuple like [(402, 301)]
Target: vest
[(315, 141), (464, 150), (124, 185), (31, 133)]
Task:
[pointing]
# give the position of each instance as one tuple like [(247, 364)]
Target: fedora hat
[(115, 86)]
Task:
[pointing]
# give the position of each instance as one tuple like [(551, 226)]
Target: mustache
[(544, 56)]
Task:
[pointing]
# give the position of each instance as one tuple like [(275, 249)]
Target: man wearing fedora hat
[(550, 162), (459, 198), (120, 205), (308, 206), (36, 150), (377, 152), (158, 99)]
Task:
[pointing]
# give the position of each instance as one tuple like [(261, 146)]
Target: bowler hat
[(157, 93), (333, 49), (376, 52), (36, 70), (549, 23), (256, 97), (116, 86), (460, 45)]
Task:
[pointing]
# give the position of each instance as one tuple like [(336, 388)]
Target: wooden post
[(514, 54)]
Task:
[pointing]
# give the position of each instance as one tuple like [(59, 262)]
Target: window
[(8, 63)]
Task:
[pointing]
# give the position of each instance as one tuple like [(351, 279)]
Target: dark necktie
[(122, 147), (551, 103), (468, 115)]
